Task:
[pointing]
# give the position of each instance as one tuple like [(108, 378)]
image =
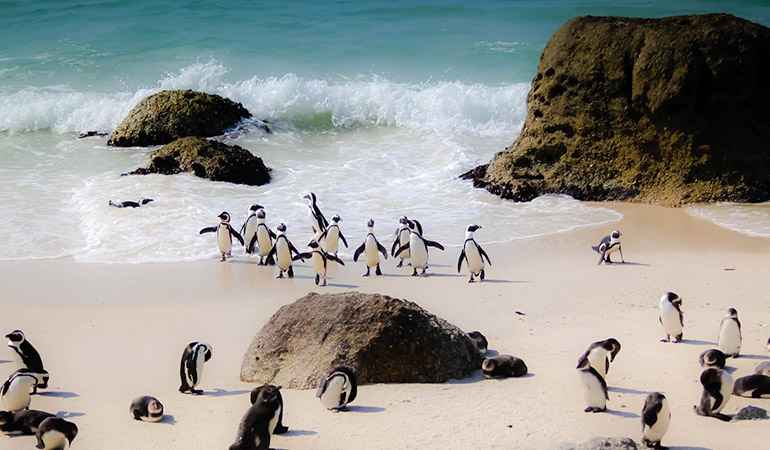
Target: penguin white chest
[(656, 432), (729, 341), (598, 359), (669, 318), (726, 390), (250, 230), (15, 355), (283, 254), (274, 420), (332, 239), (475, 262), (54, 440), (332, 395), (403, 239), (593, 393), (264, 241), (17, 396), (319, 264), (223, 239), (419, 252), (372, 254)]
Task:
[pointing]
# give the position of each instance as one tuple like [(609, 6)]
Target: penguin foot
[(367, 272), (481, 275), (594, 409), (196, 392), (677, 339), (665, 340), (735, 355), (324, 283), (377, 271), (400, 264), (291, 272), (471, 280), (723, 417), (280, 275), (414, 274), (318, 279)]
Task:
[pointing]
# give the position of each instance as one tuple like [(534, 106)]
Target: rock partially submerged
[(383, 339)]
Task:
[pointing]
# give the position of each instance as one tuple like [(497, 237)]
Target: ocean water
[(377, 107)]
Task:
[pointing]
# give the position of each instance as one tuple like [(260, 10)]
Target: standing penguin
[(656, 416), (402, 238), (264, 236), (266, 390), (670, 316), (473, 254), (418, 247), (717, 389), (594, 387), (146, 408), (15, 391), (225, 235), (317, 220), (191, 366), (249, 228), (712, 358), (338, 388), (371, 246), (55, 434), (729, 339), (320, 260), (600, 354), (609, 245), (27, 357), (254, 431), (332, 235), (282, 252)]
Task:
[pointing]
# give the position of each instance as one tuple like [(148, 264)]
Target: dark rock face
[(208, 159), (384, 340), (170, 115), (666, 111)]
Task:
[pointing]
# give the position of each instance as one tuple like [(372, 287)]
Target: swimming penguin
[(338, 388), (332, 236), (371, 246), (729, 339), (320, 260), (763, 368), (24, 422), (656, 417), (670, 316), (15, 392), (599, 355), (418, 247), (254, 429), (473, 254), (264, 236), (191, 366), (754, 386), (480, 340), (225, 234), (401, 239), (594, 387), (717, 389), (282, 252), (27, 357), (608, 245), (712, 358), (317, 220), (249, 228), (146, 408), (55, 434), (503, 366), (130, 204), (258, 394)]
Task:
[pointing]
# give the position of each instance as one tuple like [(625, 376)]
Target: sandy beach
[(110, 333)]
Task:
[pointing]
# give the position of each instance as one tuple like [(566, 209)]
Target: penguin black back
[(254, 429), (266, 390)]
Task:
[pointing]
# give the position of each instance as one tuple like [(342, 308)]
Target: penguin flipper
[(335, 259), (595, 248), (302, 256), (250, 247), (401, 249), (292, 248), (271, 233), (604, 386), (343, 240), (136, 414), (650, 415), (208, 230), (382, 249), (39, 436), (271, 253), (394, 247), (433, 244), (236, 234), (358, 252), (321, 386), (484, 254), (460, 260)]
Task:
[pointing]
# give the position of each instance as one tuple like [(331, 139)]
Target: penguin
[(338, 388), (670, 316), (191, 366), (265, 237), (717, 389), (26, 357), (473, 254), (503, 366), (317, 220), (656, 417), (402, 238), (712, 358), (15, 392), (332, 236), (768, 345), (259, 394), (371, 246), (282, 251), (729, 338), (249, 228), (600, 354), (763, 368), (225, 234), (320, 260), (146, 408), (130, 204), (480, 340), (753, 386), (418, 247), (55, 434), (42, 378), (608, 245), (24, 422), (594, 387), (254, 429)]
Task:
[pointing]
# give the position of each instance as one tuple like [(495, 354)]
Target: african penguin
[(401, 239), (332, 236), (480, 340), (729, 339), (599, 355), (23, 422), (259, 394), (225, 234), (320, 261), (717, 389), (418, 248), (130, 204), (656, 417), (191, 366), (594, 387), (55, 434), (670, 316), (254, 428), (338, 388), (15, 392), (712, 358), (26, 356), (317, 220), (609, 245), (282, 251), (763, 368), (473, 254), (501, 366), (249, 228), (754, 386), (372, 248), (264, 236), (146, 408)]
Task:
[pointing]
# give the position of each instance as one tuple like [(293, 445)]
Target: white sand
[(109, 333)]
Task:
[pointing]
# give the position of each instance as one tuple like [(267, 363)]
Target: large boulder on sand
[(383, 339), (666, 111), (214, 160), (170, 115)]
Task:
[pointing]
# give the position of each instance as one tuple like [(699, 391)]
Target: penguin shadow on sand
[(168, 419), (58, 394), (68, 414), (624, 414), (621, 390), (217, 392), (697, 342), (757, 357), (2, 361), (293, 432)]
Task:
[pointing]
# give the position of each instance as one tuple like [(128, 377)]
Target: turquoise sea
[(377, 107)]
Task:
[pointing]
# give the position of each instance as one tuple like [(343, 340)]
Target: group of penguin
[(276, 248)]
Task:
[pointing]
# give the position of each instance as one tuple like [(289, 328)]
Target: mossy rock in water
[(207, 159), (169, 115), (665, 111)]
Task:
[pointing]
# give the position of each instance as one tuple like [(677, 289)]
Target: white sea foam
[(749, 219)]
